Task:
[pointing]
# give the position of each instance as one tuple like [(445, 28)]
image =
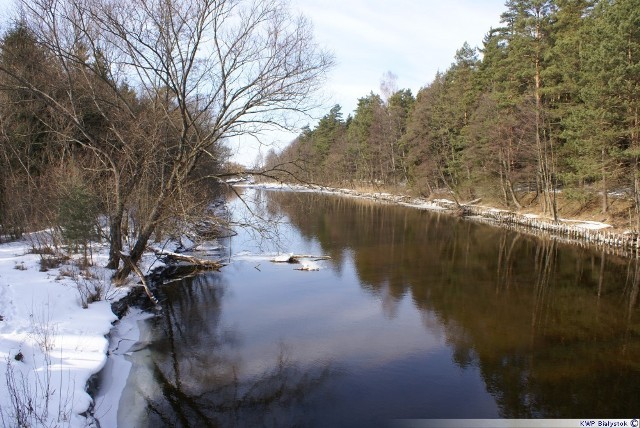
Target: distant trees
[(27, 144), (551, 105), (142, 95)]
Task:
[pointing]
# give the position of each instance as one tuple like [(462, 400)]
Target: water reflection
[(554, 329), (191, 374)]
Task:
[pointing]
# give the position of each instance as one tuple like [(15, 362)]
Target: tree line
[(115, 112), (550, 102)]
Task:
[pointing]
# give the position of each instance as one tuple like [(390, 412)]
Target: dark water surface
[(417, 315)]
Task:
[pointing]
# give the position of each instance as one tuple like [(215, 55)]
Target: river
[(416, 315)]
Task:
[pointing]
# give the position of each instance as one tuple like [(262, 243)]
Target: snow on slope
[(49, 345)]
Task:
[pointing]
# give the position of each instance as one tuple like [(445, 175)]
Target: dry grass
[(585, 205), (620, 212)]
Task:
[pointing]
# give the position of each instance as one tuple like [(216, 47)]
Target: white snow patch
[(48, 342), (309, 266), (444, 201), (283, 258), (590, 225)]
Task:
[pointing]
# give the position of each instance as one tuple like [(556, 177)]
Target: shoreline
[(112, 379), (57, 340), (55, 343), (572, 231)]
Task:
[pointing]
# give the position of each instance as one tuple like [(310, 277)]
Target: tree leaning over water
[(164, 83)]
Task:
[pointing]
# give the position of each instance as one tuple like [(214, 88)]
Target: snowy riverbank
[(50, 345)]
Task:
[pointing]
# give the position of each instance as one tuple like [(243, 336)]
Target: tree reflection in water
[(196, 376), (554, 329)]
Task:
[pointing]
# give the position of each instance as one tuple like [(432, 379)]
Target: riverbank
[(61, 317), (55, 321), (577, 231)]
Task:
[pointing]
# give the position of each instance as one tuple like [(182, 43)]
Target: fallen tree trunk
[(295, 258), (201, 263)]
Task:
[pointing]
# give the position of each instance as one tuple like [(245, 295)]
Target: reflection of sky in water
[(326, 316), (385, 355), (263, 228)]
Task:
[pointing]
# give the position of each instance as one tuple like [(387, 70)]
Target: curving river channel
[(416, 315)]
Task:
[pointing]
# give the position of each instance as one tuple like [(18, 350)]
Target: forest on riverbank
[(548, 106)]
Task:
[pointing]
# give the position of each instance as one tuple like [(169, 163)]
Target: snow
[(309, 266), (283, 258), (589, 225), (124, 336), (50, 345)]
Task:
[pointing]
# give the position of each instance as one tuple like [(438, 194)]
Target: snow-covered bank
[(113, 377), (50, 346)]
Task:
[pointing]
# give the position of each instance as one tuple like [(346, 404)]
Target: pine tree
[(584, 158), (78, 218), (399, 107), (364, 140), (611, 94)]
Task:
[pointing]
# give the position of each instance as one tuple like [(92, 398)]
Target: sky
[(413, 39)]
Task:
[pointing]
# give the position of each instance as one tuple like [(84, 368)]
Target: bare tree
[(204, 70)]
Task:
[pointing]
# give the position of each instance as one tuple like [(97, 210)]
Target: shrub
[(77, 218)]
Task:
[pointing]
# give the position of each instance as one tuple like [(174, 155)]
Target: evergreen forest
[(549, 105)]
